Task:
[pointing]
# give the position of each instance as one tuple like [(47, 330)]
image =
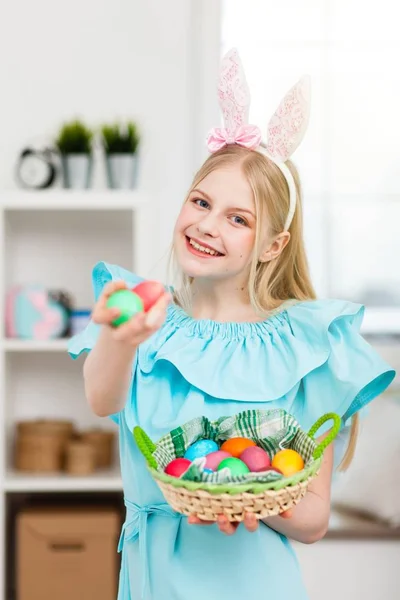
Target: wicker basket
[(208, 500), (80, 458), (63, 428), (40, 445), (103, 444)]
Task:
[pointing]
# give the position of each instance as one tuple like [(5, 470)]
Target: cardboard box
[(68, 554)]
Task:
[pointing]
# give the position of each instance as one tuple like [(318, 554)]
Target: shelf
[(106, 481), (16, 345), (59, 199)]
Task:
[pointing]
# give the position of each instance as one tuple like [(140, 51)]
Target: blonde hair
[(284, 278)]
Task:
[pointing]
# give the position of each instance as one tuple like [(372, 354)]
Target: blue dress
[(309, 359)]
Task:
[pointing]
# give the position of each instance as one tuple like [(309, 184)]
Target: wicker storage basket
[(207, 499), (80, 458), (103, 444), (40, 445)]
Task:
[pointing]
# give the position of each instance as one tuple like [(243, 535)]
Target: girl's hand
[(138, 328), (229, 528)]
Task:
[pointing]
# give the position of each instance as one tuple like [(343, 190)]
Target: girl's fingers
[(104, 316), (110, 288), (135, 327), (250, 522), (101, 314), (139, 327), (156, 314), (287, 514), (226, 526)]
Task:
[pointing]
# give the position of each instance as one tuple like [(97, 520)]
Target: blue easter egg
[(208, 471), (200, 448)]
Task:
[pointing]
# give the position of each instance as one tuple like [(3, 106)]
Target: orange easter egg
[(235, 446), (288, 462)]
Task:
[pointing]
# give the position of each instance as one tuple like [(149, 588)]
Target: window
[(349, 160)]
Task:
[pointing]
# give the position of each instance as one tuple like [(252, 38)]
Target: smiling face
[(215, 232)]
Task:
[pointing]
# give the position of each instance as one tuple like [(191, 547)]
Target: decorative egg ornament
[(256, 459), (213, 459), (200, 448), (288, 462), (235, 466), (236, 445), (128, 303), (149, 292), (177, 467)]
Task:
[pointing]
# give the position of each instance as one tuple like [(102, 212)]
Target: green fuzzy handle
[(337, 421), (146, 446)]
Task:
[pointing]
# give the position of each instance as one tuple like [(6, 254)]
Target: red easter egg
[(149, 292), (177, 466)]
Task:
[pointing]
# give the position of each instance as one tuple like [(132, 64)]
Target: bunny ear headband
[(286, 127)]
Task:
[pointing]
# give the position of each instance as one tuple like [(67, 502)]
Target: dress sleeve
[(102, 274), (353, 373)]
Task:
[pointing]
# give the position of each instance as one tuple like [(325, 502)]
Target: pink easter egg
[(214, 458), (256, 459)]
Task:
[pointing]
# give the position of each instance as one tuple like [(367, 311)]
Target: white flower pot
[(121, 171), (77, 170)]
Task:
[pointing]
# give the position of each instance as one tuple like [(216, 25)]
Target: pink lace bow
[(248, 136)]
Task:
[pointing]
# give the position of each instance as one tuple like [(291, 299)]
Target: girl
[(242, 330)]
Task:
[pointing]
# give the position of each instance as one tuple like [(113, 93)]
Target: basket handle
[(337, 421), (145, 445)]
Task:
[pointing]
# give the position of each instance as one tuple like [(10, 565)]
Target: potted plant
[(74, 143), (120, 142)]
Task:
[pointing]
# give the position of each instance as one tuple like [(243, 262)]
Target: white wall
[(102, 60)]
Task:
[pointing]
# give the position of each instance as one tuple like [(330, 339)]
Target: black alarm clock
[(36, 168)]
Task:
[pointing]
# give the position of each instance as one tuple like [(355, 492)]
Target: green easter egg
[(235, 465), (127, 302)]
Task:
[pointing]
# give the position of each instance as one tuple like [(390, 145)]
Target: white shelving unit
[(15, 345), (54, 238), (60, 199), (101, 481)]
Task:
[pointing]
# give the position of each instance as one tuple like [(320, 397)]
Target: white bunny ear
[(233, 92), (288, 125)]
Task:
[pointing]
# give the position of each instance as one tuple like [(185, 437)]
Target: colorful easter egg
[(33, 312), (214, 458), (288, 462), (235, 466), (236, 445), (200, 448), (128, 303), (149, 292), (177, 467), (256, 459)]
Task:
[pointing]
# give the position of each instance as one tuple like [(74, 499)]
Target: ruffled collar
[(209, 329)]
